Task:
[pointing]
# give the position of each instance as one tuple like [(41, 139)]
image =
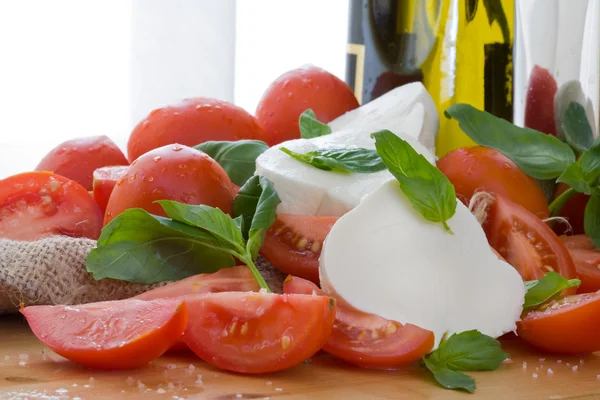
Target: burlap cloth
[(52, 271)]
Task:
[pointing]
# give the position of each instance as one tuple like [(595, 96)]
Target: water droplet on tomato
[(290, 94), (217, 107), (157, 158), (63, 316), (150, 178), (154, 112), (176, 114), (83, 320), (145, 124), (182, 166), (132, 178), (177, 147)]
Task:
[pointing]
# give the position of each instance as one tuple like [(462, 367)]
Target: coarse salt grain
[(268, 383), (171, 386), (24, 356), (130, 381), (524, 364), (575, 368), (22, 363), (279, 389), (534, 375), (559, 361), (568, 364), (161, 390), (542, 359), (598, 377), (550, 372), (191, 367), (171, 366), (239, 395), (581, 361), (62, 391), (6, 358), (86, 386), (140, 385)]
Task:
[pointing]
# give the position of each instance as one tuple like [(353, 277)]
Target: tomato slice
[(587, 261), (293, 244), (258, 332), (368, 340), (566, 325), (37, 204), (105, 180), (111, 334), (526, 242)]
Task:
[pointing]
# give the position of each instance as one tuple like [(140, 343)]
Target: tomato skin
[(568, 325), (257, 333), (293, 244), (587, 259), (573, 211), (105, 180), (192, 122), (478, 168), (525, 242), (172, 172), (353, 341), (38, 204), (77, 159), (293, 93), (112, 334), (539, 104)]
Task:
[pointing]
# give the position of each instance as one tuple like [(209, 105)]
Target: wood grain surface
[(29, 371)]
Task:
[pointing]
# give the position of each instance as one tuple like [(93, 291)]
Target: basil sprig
[(465, 351), (140, 247), (311, 127), (358, 160), (428, 190), (576, 127), (541, 290)]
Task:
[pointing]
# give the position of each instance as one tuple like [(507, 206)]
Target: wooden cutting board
[(28, 370)]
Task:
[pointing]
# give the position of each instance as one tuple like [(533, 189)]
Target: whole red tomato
[(191, 122), (77, 159), (172, 172), (294, 92)]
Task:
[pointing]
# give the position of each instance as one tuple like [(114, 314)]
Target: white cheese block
[(384, 258), (306, 190), (389, 111)]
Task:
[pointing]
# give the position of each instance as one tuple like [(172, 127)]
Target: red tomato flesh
[(294, 92), (105, 180), (38, 204), (77, 159), (192, 122), (293, 244), (368, 340), (112, 334), (587, 261), (257, 332), (567, 325)]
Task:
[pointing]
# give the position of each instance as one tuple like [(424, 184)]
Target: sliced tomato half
[(105, 180), (38, 204), (258, 332), (566, 325), (526, 242), (587, 261), (293, 244), (112, 334), (368, 340)]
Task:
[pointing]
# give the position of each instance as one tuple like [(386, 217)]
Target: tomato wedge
[(111, 334), (257, 332), (368, 340), (105, 180), (37, 204), (526, 242), (293, 244), (566, 325), (587, 261)]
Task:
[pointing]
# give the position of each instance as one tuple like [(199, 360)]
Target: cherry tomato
[(478, 168), (77, 159), (293, 244), (172, 172), (105, 180), (257, 332), (191, 122), (573, 211), (368, 340), (526, 242), (38, 204), (566, 325), (112, 334), (294, 92), (539, 104), (587, 261)]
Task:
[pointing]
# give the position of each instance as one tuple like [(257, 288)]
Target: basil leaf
[(311, 127), (576, 127), (451, 379), (341, 160), (428, 190), (140, 247), (237, 158), (256, 204), (539, 155), (220, 226), (591, 219), (583, 174), (542, 290)]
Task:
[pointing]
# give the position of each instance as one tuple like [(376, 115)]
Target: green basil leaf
[(583, 174), (341, 160), (428, 190), (539, 155), (140, 247), (224, 230), (495, 12), (256, 204), (237, 158), (451, 379), (468, 351), (311, 127), (576, 127), (542, 290), (591, 219)]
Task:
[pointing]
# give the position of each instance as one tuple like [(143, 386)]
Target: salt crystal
[(537, 368), (161, 390), (507, 361), (534, 375), (568, 364), (140, 384), (581, 361), (171, 366), (6, 358), (268, 383), (266, 398), (130, 381), (76, 398), (191, 367), (542, 359), (262, 290), (75, 385), (22, 363), (279, 389), (239, 395), (86, 386), (559, 361), (598, 377), (62, 391), (24, 356), (575, 368), (550, 372), (171, 386)]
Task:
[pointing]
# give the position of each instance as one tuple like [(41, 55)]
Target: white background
[(72, 68)]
